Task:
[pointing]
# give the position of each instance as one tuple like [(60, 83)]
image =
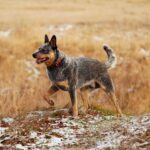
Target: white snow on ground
[(54, 141), (2, 130), (5, 33), (86, 132), (60, 136), (33, 134), (60, 29), (136, 126), (111, 140), (8, 120), (21, 147)]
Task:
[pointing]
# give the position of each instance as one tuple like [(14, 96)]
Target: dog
[(69, 74)]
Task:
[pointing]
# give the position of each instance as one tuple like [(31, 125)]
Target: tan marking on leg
[(85, 100), (114, 100), (63, 84), (75, 109)]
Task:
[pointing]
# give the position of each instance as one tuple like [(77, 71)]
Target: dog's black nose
[(34, 55)]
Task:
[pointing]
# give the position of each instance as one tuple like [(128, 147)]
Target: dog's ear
[(53, 42), (46, 39)]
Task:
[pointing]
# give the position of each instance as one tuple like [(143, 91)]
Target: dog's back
[(88, 69)]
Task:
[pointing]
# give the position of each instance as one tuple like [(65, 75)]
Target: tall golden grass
[(124, 25)]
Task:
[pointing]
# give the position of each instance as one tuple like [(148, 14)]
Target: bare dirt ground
[(56, 130)]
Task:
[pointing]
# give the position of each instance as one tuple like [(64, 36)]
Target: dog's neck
[(57, 62)]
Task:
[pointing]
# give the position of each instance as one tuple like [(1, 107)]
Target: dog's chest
[(59, 78), (56, 75)]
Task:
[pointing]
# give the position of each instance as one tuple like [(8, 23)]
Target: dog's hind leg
[(107, 86), (85, 98), (84, 93), (51, 91), (114, 100)]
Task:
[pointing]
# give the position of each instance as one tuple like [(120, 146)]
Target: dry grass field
[(82, 27)]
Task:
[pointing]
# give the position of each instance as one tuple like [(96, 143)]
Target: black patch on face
[(45, 49)]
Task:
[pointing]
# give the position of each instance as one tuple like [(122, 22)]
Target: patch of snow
[(8, 120), (69, 130), (133, 128), (51, 27), (111, 140), (21, 147), (33, 134), (93, 131), (65, 27), (34, 113), (60, 29), (98, 38), (67, 133), (95, 119), (144, 53), (5, 33), (33, 72), (2, 130), (41, 139), (145, 119), (55, 141)]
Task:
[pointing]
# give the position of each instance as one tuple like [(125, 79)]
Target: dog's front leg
[(73, 97), (51, 91)]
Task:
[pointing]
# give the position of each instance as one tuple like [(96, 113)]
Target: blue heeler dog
[(82, 73)]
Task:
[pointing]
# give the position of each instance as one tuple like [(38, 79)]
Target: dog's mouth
[(41, 60)]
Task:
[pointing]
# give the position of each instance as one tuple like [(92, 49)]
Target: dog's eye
[(45, 51)]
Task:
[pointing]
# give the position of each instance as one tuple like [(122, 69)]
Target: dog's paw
[(70, 110), (120, 115), (73, 112)]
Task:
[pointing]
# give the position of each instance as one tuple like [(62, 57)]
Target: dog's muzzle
[(34, 55), (41, 60)]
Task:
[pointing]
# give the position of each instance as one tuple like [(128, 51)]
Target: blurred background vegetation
[(81, 27)]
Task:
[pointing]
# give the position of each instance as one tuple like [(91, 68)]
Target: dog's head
[(47, 53)]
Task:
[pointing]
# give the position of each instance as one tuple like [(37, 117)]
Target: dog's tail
[(112, 59)]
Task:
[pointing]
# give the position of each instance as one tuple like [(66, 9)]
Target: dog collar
[(57, 63)]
